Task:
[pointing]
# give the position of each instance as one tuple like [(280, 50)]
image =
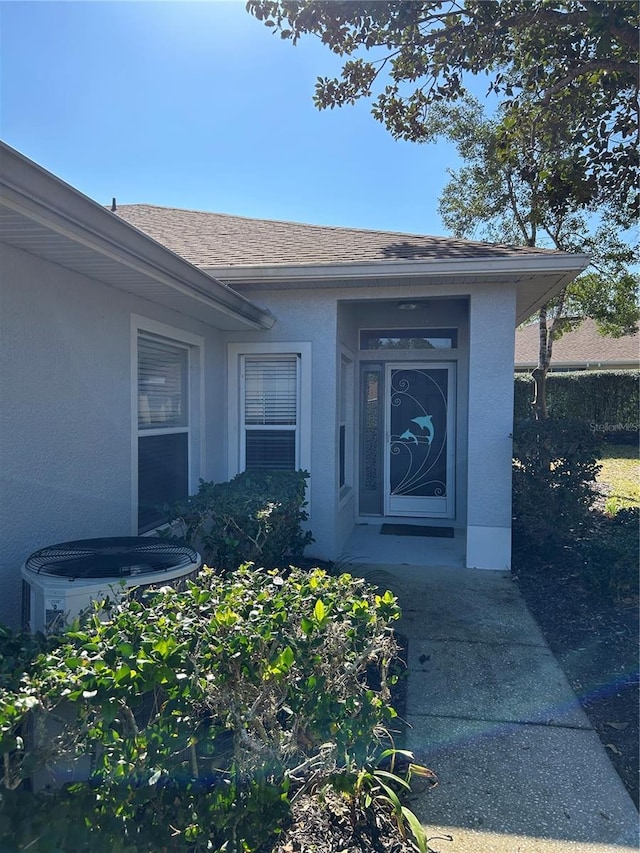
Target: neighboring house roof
[(581, 348), (220, 239), (44, 216), (266, 254)]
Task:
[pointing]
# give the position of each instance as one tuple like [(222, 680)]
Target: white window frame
[(235, 357), (194, 345)]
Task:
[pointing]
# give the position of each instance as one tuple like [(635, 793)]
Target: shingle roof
[(218, 239), (584, 345)]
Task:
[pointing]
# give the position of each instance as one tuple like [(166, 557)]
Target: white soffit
[(46, 217)]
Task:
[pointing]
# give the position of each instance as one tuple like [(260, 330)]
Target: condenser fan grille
[(125, 556)]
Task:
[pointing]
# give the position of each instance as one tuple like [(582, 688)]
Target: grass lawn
[(620, 474)]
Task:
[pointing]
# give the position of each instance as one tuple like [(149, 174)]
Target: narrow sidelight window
[(344, 418)]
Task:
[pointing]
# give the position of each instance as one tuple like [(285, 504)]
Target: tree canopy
[(567, 68), (504, 192)]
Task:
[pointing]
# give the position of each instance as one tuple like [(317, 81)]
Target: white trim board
[(488, 548)]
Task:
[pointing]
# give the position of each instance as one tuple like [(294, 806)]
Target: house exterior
[(145, 348), (583, 348)]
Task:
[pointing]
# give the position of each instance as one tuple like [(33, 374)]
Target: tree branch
[(595, 65), (555, 325), (514, 207)]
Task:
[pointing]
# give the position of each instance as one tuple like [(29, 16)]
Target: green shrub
[(203, 712), (257, 517), (554, 472), (19, 655), (607, 400), (610, 555)]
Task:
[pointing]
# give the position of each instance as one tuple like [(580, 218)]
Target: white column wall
[(491, 354)]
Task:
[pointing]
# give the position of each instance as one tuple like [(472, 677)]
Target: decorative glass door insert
[(419, 454)]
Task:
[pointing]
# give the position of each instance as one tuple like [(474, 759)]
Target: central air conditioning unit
[(60, 581)]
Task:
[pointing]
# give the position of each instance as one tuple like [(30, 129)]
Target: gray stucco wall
[(65, 409), (65, 405), (491, 352)]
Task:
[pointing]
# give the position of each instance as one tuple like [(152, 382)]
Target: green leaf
[(288, 657), (282, 663), (393, 777), (122, 673), (163, 648), (416, 828), (319, 611), (390, 794)]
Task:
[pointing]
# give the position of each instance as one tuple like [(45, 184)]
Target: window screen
[(162, 385), (163, 428), (271, 411)]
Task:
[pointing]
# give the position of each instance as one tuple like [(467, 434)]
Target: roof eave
[(401, 268), (32, 192), (549, 272)]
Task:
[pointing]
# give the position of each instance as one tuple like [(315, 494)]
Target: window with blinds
[(270, 411), (163, 428), (162, 384)]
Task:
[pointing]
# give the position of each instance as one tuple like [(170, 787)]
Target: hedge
[(202, 714), (554, 473), (607, 400), (256, 518)]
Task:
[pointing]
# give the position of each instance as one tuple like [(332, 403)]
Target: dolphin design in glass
[(424, 422)]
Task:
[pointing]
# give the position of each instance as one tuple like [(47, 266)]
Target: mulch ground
[(325, 824), (596, 644)]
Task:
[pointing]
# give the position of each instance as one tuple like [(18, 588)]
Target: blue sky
[(198, 105)]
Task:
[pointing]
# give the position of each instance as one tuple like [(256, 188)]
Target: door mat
[(417, 530)]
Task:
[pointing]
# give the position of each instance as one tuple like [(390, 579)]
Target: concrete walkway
[(520, 769)]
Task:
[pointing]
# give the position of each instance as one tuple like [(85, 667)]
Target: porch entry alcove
[(411, 408)]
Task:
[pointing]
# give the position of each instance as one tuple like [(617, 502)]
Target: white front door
[(419, 439)]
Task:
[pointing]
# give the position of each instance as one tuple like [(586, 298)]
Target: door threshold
[(379, 520)]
